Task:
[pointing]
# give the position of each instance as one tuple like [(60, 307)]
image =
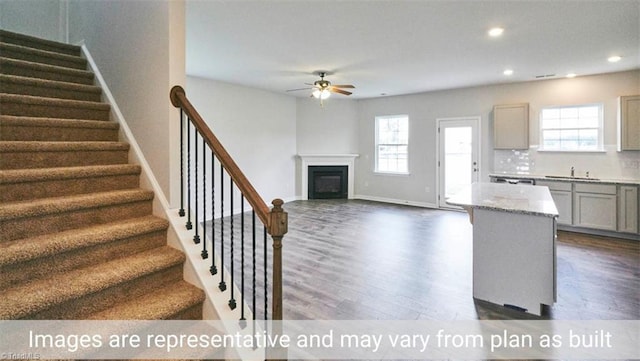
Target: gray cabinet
[(511, 126), (629, 123), (595, 206), (562, 197), (628, 209)]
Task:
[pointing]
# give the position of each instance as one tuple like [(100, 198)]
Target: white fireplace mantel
[(329, 160)]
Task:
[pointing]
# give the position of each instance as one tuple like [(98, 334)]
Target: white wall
[(423, 110), (328, 129), (45, 19), (258, 129), (139, 49)]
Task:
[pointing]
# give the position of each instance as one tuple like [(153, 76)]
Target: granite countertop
[(552, 178), (516, 198)]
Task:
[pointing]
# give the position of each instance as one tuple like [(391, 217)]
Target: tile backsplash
[(609, 164)]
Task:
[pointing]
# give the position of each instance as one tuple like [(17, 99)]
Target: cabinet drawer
[(595, 188), (555, 186)]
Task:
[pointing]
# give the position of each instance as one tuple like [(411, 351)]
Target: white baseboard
[(395, 201)]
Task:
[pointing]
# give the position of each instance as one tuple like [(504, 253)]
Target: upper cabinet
[(629, 123), (511, 126)]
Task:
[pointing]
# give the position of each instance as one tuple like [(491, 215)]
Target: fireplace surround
[(310, 160)]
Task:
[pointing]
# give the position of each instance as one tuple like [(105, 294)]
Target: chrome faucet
[(573, 171)]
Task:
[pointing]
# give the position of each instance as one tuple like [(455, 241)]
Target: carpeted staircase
[(77, 236)]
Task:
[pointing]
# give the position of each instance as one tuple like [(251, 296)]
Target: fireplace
[(328, 182)]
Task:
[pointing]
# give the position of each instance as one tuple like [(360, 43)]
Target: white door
[(458, 156)]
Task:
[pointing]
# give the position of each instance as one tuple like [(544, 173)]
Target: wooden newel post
[(278, 226)]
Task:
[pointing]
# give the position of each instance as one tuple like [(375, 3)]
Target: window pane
[(392, 144), (571, 128)]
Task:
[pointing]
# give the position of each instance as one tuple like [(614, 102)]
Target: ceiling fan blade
[(335, 90), (293, 90), (344, 86)]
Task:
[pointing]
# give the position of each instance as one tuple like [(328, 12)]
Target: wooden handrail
[(179, 100)]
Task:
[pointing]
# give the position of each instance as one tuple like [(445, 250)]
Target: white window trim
[(599, 146), (375, 164)]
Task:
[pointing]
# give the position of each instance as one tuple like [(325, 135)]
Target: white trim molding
[(328, 160)]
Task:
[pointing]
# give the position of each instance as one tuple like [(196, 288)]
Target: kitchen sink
[(569, 177)]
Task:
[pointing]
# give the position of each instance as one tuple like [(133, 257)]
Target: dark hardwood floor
[(353, 259)]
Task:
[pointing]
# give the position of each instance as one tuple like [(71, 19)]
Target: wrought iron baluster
[(196, 237), (232, 300), (222, 285), (242, 319), (188, 225), (213, 269), (266, 293), (181, 211), (253, 246), (204, 253)]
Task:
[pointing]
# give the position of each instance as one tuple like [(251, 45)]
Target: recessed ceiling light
[(508, 72), (494, 32), (571, 75), (614, 59)]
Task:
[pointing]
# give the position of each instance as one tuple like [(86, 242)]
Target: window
[(571, 128), (392, 142)]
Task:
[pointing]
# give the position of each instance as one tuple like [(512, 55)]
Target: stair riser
[(191, 313), (85, 306), (59, 134), (62, 262), (18, 39), (49, 92), (11, 69), (44, 159), (76, 63), (64, 187), (34, 226), (48, 111)]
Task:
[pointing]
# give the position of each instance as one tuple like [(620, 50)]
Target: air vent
[(545, 76)]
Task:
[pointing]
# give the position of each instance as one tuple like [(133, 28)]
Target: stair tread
[(45, 67), (56, 84), (78, 60), (56, 122), (26, 249), (38, 295), (53, 146), (64, 48), (52, 102), (157, 305), (45, 206), (42, 174)]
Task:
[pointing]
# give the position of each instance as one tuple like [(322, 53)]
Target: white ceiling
[(401, 47)]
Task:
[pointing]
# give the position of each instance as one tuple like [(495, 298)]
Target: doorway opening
[(458, 152)]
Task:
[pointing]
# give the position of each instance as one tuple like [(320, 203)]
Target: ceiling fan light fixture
[(321, 94)]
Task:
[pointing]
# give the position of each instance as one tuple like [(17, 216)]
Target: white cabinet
[(511, 126), (562, 197), (628, 209), (629, 123), (595, 206)]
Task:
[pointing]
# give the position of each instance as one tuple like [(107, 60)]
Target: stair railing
[(274, 220)]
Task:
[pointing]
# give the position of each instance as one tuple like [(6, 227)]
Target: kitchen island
[(514, 249)]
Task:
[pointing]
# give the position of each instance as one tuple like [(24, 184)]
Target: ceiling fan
[(322, 89)]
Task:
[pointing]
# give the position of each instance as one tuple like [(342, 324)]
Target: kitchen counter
[(514, 248), (559, 178), (508, 198)]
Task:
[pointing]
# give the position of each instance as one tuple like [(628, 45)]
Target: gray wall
[(258, 129), (139, 49), (42, 18)]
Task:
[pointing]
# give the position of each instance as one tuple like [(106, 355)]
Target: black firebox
[(328, 182)]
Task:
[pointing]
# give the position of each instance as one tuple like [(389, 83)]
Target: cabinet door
[(562, 199), (629, 123), (594, 210), (628, 209), (511, 126)]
